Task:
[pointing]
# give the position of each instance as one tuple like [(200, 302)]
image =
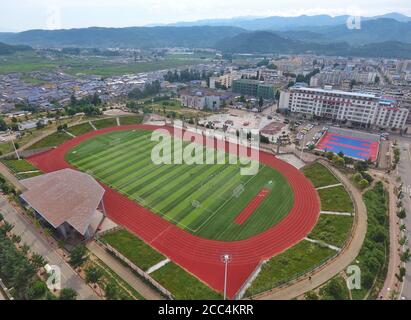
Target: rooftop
[(64, 196), (345, 93)]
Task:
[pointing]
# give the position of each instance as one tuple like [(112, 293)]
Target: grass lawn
[(336, 199), (183, 285), (23, 176), (19, 165), (80, 129), (332, 229), (52, 140), (202, 199), (105, 123), (130, 120), (296, 261), (319, 175), (136, 250), (6, 147)]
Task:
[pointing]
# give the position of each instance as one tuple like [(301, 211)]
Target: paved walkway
[(336, 266), (30, 236), (92, 125), (158, 266), (346, 214), (331, 186), (70, 134), (322, 243), (394, 260), (124, 272)]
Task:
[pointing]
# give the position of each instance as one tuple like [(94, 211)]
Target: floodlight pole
[(226, 258), (302, 149), (14, 146)]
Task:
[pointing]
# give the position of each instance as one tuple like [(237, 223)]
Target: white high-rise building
[(356, 108)]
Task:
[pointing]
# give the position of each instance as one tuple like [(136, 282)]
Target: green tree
[(36, 291), (111, 292), (68, 294), (402, 214), (37, 261), (93, 275), (363, 184), (78, 256), (405, 256), (311, 295)]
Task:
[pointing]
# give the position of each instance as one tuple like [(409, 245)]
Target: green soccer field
[(202, 199)]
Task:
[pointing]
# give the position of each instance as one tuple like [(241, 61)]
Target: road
[(30, 236), (404, 171)]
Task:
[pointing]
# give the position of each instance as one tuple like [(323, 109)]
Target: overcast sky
[(18, 15)]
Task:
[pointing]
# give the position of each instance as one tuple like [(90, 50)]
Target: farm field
[(31, 61), (204, 200)]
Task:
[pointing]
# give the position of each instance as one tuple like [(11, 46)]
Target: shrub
[(36, 291), (68, 294), (363, 184), (78, 256)]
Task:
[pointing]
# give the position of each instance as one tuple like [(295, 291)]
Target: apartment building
[(356, 108)]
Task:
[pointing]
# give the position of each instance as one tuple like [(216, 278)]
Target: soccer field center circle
[(200, 256)]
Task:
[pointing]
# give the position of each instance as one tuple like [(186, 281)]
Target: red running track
[(251, 207), (202, 257)]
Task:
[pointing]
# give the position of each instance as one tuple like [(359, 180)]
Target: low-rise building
[(200, 99)]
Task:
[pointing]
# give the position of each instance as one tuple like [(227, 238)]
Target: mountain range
[(279, 23), (383, 36)]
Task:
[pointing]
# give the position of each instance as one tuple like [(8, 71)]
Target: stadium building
[(68, 201), (361, 109)]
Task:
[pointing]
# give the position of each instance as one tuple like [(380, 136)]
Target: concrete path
[(338, 264), (125, 273), (322, 243), (331, 186), (70, 134), (391, 282), (158, 266), (92, 125), (38, 244), (346, 214)]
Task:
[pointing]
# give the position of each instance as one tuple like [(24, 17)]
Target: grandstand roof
[(64, 196)]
